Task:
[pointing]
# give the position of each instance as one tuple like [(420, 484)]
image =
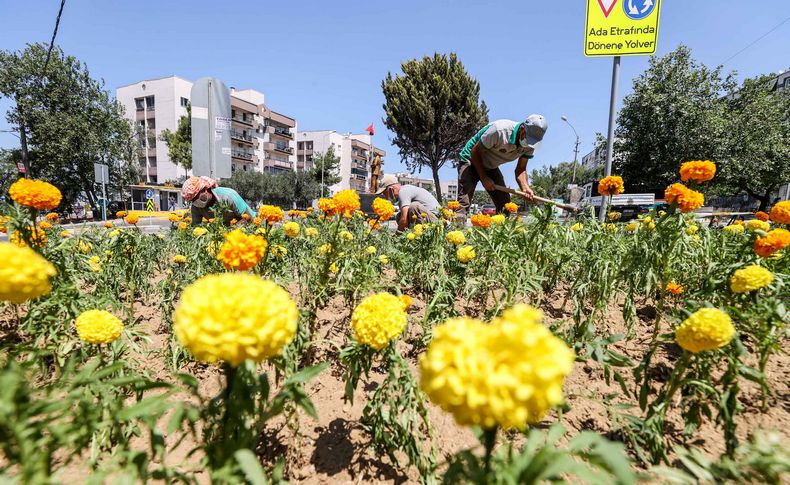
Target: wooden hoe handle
[(544, 200)]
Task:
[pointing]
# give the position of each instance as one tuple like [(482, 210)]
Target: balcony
[(270, 162), (242, 155), (359, 171), (284, 132), (240, 135), (151, 107), (240, 119), (284, 149)]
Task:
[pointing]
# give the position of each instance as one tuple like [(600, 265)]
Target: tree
[(326, 167), (758, 155), (433, 109), (179, 144), (481, 197), (553, 181), (673, 115), (286, 189), (9, 172), (66, 120)]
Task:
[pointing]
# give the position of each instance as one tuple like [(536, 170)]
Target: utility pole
[(575, 150)]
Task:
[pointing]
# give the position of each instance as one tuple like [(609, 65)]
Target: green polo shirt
[(498, 140)]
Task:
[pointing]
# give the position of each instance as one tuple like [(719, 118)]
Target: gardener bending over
[(416, 204), (204, 195)]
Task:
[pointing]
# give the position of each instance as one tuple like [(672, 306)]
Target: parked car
[(488, 210)]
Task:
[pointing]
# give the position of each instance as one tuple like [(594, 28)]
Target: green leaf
[(251, 467)]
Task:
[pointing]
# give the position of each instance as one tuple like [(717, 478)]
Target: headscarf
[(194, 185)]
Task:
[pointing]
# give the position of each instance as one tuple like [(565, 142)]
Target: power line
[(52, 42), (756, 40)]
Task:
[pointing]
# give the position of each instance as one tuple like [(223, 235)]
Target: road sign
[(101, 173), (211, 125), (149, 206), (21, 167), (149, 194), (621, 27)]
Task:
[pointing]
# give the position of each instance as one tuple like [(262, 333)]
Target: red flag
[(370, 129)]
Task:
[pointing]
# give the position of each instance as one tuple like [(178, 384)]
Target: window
[(139, 103), (149, 103), (152, 161), (300, 145), (184, 102)]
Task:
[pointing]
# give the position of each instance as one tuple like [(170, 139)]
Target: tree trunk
[(763, 198), (23, 145), (437, 185)]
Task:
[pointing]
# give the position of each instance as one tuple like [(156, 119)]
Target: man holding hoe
[(497, 143)]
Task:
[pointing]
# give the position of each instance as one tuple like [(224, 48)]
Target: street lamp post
[(575, 150)]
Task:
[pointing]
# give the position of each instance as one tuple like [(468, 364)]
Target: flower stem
[(489, 440)]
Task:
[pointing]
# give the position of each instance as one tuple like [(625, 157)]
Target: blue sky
[(322, 62)]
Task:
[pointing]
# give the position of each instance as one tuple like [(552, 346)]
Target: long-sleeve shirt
[(227, 196)]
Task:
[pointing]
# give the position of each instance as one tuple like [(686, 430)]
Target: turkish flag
[(370, 129)]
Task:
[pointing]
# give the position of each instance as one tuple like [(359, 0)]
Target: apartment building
[(261, 139), (352, 150)]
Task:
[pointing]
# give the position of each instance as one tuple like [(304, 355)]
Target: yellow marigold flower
[(613, 216), (371, 249), (378, 319), (406, 301), (750, 278), (758, 225), (611, 185), (577, 227), (346, 202), (609, 227), (465, 254), (311, 232), (662, 213), (24, 274), (453, 205), (733, 229), (278, 250), (761, 216), (674, 288), (325, 248), (346, 236), (271, 214), (241, 251), (98, 327), (45, 225), (411, 236), (132, 219), (698, 171), (333, 268), (687, 200), (631, 226), (447, 214), (780, 213), (84, 247), (327, 206), (199, 231), (212, 247), (418, 229), (384, 259), (173, 218), (455, 238), (179, 259), (705, 329), (508, 373), (182, 226), (374, 224), (498, 219), (233, 317), (291, 229), (481, 220), (37, 237), (114, 233), (35, 193), (95, 264), (160, 236), (3, 221), (65, 233), (383, 209), (511, 207), (774, 241)]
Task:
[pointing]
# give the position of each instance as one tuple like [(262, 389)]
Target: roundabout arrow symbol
[(648, 4), (631, 9)]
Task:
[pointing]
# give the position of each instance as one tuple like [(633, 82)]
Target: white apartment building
[(352, 150), (449, 189), (261, 139)]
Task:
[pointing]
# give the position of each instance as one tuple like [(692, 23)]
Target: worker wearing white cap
[(415, 203), (497, 143)]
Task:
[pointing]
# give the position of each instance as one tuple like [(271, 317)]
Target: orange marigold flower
[(45, 225), (38, 238), (52, 217), (762, 216), (698, 171), (132, 219), (780, 213), (674, 288), (374, 224), (246, 216), (774, 241), (257, 221), (173, 218), (611, 185), (687, 200), (241, 251), (271, 214), (108, 224), (327, 206), (481, 220), (383, 208), (35, 193), (346, 202), (453, 205), (120, 214), (511, 207)]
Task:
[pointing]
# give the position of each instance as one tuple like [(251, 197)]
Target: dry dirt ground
[(335, 449)]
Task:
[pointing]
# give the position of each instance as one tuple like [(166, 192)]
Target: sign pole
[(103, 197), (211, 129), (610, 133)]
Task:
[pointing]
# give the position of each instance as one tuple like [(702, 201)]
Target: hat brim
[(533, 142), (381, 190)]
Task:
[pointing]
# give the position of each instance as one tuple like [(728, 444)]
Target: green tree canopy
[(673, 115), (433, 108), (179, 143), (552, 181), (326, 168), (285, 189)]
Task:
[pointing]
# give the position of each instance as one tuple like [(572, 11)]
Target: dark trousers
[(467, 183)]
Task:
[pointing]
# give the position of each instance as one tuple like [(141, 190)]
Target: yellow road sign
[(149, 206), (621, 27)]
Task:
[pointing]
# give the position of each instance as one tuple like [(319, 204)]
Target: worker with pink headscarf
[(205, 196)]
